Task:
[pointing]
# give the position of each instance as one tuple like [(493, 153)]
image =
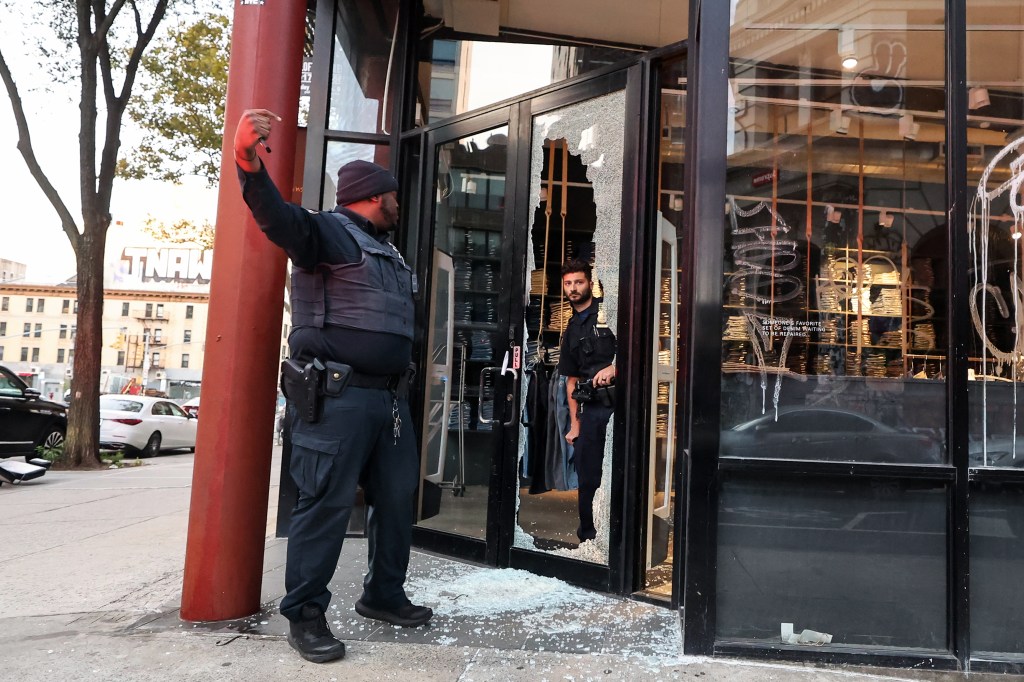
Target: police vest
[(372, 295)]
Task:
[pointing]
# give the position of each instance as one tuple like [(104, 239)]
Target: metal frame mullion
[(704, 187), (959, 326), (320, 90)]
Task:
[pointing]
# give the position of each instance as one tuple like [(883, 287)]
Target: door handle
[(479, 413), (510, 398)]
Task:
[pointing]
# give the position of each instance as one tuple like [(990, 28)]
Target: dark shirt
[(586, 348), (310, 238)]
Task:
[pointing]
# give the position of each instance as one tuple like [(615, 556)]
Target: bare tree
[(107, 72)]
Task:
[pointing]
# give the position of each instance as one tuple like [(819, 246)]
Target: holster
[(301, 384)]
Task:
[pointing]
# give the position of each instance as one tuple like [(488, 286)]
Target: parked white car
[(145, 425)]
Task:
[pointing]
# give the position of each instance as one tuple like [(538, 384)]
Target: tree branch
[(116, 105), (28, 153), (103, 26)]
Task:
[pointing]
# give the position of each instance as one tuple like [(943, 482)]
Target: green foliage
[(113, 457), (181, 104), (49, 454)]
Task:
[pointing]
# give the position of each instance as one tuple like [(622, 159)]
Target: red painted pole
[(230, 483)]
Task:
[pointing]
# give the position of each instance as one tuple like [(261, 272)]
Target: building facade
[(153, 340), (804, 219)]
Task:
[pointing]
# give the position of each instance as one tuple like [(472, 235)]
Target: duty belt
[(382, 381)]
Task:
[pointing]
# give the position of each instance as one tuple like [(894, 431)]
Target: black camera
[(587, 392)]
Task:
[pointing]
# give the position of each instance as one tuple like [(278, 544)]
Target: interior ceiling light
[(978, 98), (847, 48)]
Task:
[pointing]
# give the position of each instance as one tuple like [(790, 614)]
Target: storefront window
[(811, 563), (833, 322), (359, 100), (997, 552), (995, 141), (340, 153)]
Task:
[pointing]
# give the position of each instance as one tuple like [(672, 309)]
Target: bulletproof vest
[(372, 295)]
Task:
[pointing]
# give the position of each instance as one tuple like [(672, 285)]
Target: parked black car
[(26, 420)]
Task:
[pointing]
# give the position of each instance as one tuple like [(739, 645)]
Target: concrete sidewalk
[(92, 567)]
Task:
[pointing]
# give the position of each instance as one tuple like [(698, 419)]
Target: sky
[(30, 231)]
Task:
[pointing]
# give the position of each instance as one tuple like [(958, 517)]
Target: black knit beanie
[(362, 179)]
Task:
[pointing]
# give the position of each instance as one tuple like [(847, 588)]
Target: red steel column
[(230, 484)]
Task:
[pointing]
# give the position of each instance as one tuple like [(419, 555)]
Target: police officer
[(351, 303), (587, 353)]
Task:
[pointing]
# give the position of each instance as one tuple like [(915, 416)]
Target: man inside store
[(587, 360), (346, 383)]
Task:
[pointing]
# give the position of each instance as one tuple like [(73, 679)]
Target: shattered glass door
[(575, 209)]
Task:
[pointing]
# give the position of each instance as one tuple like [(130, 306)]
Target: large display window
[(835, 235), (995, 139)]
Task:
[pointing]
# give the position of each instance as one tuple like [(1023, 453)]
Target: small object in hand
[(265, 145)]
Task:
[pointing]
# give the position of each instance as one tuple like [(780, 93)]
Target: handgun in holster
[(302, 384)]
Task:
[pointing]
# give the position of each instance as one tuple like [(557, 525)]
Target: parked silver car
[(829, 434)]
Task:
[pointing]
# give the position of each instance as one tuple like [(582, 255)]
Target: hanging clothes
[(559, 468), (535, 419)]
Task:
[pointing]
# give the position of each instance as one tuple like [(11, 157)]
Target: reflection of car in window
[(828, 434)]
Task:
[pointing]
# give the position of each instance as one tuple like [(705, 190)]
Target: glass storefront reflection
[(462, 75), (836, 234), (359, 100), (997, 552), (863, 561), (575, 194), (459, 442), (995, 138)]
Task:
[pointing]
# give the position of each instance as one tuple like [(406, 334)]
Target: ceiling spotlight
[(885, 219), (838, 123), (833, 214), (909, 129), (978, 98), (847, 48)]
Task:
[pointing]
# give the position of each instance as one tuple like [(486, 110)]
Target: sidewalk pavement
[(92, 570)]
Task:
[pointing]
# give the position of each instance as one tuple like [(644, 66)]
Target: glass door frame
[(483, 551), (629, 434), (610, 577)]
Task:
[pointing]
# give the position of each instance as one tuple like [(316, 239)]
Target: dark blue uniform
[(587, 349), (354, 442)]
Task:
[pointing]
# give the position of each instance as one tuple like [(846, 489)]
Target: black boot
[(408, 615), (312, 638)]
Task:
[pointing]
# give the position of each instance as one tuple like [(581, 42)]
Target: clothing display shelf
[(868, 317)]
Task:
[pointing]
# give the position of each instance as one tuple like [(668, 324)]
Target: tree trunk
[(82, 446)]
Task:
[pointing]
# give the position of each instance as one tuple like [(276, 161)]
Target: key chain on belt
[(397, 431)]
